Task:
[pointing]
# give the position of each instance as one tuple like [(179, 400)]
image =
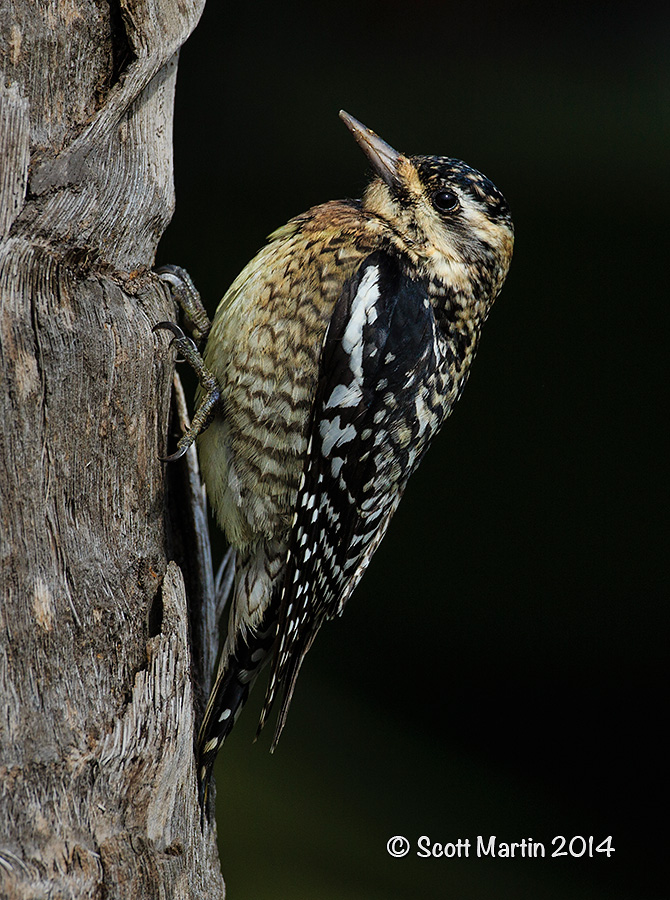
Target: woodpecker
[(330, 365)]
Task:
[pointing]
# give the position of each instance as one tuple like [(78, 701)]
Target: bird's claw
[(169, 326), (185, 293)]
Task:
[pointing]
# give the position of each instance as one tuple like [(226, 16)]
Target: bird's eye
[(445, 201)]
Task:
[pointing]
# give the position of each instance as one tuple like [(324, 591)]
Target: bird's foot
[(212, 392), (186, 294)]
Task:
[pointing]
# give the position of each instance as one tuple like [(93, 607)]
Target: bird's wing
[(371, 422)]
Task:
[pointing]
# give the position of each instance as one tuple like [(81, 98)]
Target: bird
[(329, 367)]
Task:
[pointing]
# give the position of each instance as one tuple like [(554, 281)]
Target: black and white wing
[(374, 413)]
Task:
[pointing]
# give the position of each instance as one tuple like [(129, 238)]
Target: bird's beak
[(383, 158)]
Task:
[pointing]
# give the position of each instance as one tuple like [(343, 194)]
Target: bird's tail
[(236, 675)]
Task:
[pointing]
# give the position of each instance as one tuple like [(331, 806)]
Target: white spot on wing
[(345, 395), (423, 413), (363, 312), (333, 435)]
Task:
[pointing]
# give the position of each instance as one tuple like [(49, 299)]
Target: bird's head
[(448, 214)]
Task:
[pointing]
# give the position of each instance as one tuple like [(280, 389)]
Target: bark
[(97, 780)]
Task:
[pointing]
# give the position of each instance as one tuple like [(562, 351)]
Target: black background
[(500, 669)]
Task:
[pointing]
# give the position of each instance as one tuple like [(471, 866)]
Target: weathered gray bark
[(97, 781)]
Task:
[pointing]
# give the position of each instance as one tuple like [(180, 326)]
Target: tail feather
[(237, 673), (283, 680)]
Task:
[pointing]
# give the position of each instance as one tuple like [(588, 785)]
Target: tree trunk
[(97, 779)]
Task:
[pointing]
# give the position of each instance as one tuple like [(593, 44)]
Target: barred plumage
[(335, 357)]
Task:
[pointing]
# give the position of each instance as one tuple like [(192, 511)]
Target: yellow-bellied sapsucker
[(330, 365)]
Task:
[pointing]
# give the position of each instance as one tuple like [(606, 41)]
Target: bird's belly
[(252, 470)]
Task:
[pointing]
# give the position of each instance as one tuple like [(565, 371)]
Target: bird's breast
[(264, 349)]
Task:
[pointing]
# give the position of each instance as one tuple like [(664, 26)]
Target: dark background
[(500, 669)]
